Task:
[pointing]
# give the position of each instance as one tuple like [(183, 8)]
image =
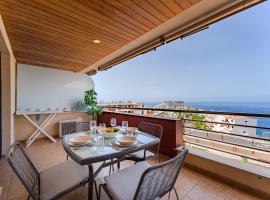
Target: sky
[(229, 62)]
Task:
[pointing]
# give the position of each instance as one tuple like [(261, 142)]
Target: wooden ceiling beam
[(63, 43), (67, 12), (19, 12), (103, 17)]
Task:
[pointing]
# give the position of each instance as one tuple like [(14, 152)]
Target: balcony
[(42, 44)]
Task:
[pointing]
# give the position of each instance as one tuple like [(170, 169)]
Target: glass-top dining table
[(105, 152)]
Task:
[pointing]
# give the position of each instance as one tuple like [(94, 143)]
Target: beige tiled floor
[(190, 184)]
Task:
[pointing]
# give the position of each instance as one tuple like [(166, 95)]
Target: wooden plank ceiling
[(60, 33)]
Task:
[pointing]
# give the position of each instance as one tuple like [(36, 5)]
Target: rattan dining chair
[(150, 153), (82, 126), (52, 183), (144, 182), (76, 127)]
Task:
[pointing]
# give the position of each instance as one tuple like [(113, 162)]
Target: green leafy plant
[(198, 121), (90, 102)]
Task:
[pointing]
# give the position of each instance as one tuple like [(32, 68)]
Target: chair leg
[(176, 194), (97, 194), (113, 167), (105, 190), (67, 156), (110, 169), (99, 191), (28, 197), (118, 166)]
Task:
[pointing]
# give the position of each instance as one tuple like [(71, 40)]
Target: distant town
[(211, 133), (126, 107)]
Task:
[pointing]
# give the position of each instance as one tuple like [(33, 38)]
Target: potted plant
[(91, 105)]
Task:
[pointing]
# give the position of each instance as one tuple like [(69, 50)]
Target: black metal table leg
[(90, 182)]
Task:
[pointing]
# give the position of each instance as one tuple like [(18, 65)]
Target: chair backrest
[(158, 180), (24, 169), (152, 129), (82, 126), (67, 128)]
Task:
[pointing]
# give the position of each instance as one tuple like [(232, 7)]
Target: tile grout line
[(200, 181), (190, 189)]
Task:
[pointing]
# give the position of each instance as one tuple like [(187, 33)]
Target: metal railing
[(206, 136)]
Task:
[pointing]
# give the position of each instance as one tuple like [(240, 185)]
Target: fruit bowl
[(109, 132)]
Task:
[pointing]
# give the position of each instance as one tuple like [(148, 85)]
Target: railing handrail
[(225, 142), (231, 134), (206, 112), (195, 111), (232, 153), (222, 123), (185, 119)]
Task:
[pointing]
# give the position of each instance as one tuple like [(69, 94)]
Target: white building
[(232, 128), (126, 106), (171, 105)]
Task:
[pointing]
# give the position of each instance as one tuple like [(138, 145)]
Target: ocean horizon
[(252, 107)]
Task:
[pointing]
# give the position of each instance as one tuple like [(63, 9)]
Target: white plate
[(83, 139), (124, 145), (127, 140), (78, 145)]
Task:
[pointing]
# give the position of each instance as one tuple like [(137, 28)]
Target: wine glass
[(125, 125), (113, 122), (93, 127), (101, 130), (102, 127)]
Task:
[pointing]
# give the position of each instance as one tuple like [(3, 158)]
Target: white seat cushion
[(123, 184), (61, 177), (140, 154)]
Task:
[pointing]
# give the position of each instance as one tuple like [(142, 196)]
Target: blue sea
[(262, 108)]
